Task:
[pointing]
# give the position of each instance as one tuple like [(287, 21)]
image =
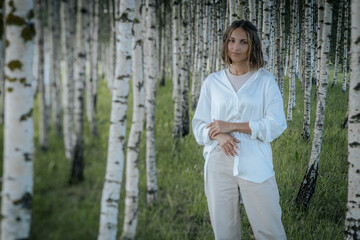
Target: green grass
[(63, 212)]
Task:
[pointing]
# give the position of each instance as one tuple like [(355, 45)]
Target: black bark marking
[(15, 64), (22, 80), (125, 18), (357, 87), (355, 118), (28, 32), (10, 89), (307, 187), (7, 43), (30, 14), (26, 115), (12, 19), (27, 157), (24, 201), (1, 26), (10, 79), (354, 144)]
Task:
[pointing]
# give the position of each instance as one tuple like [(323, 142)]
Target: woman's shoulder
[(214, 77), (266, 77)]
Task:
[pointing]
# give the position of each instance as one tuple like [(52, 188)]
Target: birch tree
[(319, 41), (124, 18), (308, 69), (54, 28), (67, 35), (77, 158), (17, 180), (132, 154), (338, 44), (2, 58), (185, 60), (345, 59), (352, 221), (150, 60), (233, 10), (176, 70), (307, 187), (266, 33), (292, 64), (91, 88)]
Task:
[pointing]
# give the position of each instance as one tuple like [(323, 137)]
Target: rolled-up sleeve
[(273, 123), (202, 116)]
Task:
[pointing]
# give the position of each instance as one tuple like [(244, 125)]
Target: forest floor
[(65, 212)]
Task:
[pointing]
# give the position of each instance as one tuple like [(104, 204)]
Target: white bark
[(17, 180), (176, 70), (150, 60), (252, 8), (319, 40), (345, 59), (352, 221), (54, 20), (307, 187), (77, 158), (292, 65), (124, 17), (338, 44), (185, 67), (266, 33), (233, 10), (91, 87), (2, 58), (112, 47), (67, 35), (132, 155), (308, 69)]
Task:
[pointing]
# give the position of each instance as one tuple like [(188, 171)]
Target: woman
[(240, 111)]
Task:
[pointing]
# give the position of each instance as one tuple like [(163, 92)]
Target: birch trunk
[(112, 47), (150, 60), (93, 78), (277, 53), (307, 187), (319, 41), (68, 32), (308, 69), (352, 221), (2, 58), (17, 180), (198, 52), (345, 59), (282, 46), (233, 10), (176, 70), (266, 33), (54, 9), (124, 18), (292, 64), (132, 155), (338, 38), (77, 158), (164, 48), (185, 60)]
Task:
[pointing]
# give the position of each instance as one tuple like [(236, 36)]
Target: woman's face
[(238, 46)]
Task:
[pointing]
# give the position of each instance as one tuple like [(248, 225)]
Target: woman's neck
[(238, 69)]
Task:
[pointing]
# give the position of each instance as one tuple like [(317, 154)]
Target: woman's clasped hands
[(219, 130)]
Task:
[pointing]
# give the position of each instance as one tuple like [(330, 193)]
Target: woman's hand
[(217, 127), (227, 143)]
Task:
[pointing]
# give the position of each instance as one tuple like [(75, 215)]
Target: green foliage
[(62, 212)]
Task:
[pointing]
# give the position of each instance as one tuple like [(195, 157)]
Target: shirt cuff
[(254, 126), (206, 136)]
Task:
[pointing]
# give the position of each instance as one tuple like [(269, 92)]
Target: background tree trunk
[(124, 18), (2, 59), (150, 60), (352, 221), (307, 187), (308, 69), (77, 158), (338, 44), (346, 30), (132, 155), (67, 13), (17, 180)]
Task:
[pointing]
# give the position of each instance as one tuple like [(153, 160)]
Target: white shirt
[(258, 102)]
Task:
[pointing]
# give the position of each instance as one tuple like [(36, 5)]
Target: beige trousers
[(261, 201)]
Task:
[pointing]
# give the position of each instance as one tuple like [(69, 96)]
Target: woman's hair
[(255, 55)]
